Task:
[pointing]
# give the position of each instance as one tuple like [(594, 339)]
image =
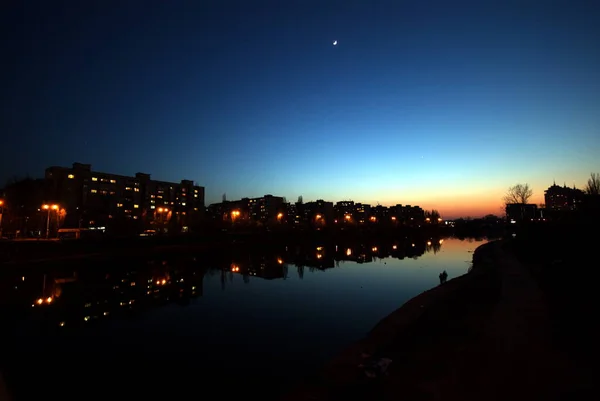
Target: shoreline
[(341, 373)]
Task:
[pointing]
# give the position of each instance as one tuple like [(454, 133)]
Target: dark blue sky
[(438, 103)]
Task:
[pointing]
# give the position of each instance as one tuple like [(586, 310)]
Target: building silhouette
[(563, 198), (97, 199)]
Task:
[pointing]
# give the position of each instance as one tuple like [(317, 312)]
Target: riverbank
[(42, 251), (484, 335)]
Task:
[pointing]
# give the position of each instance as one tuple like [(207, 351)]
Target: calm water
[(263, 319)]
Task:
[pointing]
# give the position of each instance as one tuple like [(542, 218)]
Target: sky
[(442, 104)]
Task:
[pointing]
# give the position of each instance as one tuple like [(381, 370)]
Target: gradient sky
[(443, 104)]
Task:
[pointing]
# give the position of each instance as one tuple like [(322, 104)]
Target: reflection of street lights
[(49, 208)]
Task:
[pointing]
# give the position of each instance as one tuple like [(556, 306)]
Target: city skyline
[(432, 104)]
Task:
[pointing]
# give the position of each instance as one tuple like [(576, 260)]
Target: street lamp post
[(49, 208), (160, 212), (1, 213)]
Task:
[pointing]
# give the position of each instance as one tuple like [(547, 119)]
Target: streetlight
[(1, 213), (49, 208), (162, 211)]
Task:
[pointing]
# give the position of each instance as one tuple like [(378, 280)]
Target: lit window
[(136, 206), (136, 189), (119, 205), (152, 207), (127, 188), (93, 191), (195, 195), (113, 181), (182, 203), (94, 179), (71, 176)]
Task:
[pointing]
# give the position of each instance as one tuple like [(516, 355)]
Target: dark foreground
[(514, 328)]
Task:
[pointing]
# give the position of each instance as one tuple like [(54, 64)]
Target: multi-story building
[(345, 211), (267, 209), (363, 211), (95, 199), (407, 214), (379, 214), (318, 213), (517, 212), (563, 198)]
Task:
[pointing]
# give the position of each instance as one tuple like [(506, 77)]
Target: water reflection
[(85, 296), (64, 298)]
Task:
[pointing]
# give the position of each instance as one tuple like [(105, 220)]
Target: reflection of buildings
[(87, 297), (263, 267), (322, 257)]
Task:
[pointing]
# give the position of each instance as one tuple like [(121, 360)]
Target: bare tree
[(520, 194), (593, 184)]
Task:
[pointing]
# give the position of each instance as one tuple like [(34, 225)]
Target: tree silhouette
[(593, 184), (519, 194)]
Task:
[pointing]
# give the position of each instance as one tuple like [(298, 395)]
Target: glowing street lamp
[(235, 214), (279, 216), (49, 208), (1, 212), (161, 212)]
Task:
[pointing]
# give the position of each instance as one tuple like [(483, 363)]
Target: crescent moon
[(335, 42)]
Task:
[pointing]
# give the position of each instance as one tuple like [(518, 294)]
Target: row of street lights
[(44, 206)]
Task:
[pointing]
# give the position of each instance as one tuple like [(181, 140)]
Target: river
[(184, 324)]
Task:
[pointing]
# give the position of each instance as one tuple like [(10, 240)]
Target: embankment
[(418, 334)]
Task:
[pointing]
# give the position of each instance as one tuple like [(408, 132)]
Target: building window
[(136, 189), (119, 205), (94, 179), (127, 188), (93, 191), (71, 176), (136, 206), (152, 207), (113, 181)]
